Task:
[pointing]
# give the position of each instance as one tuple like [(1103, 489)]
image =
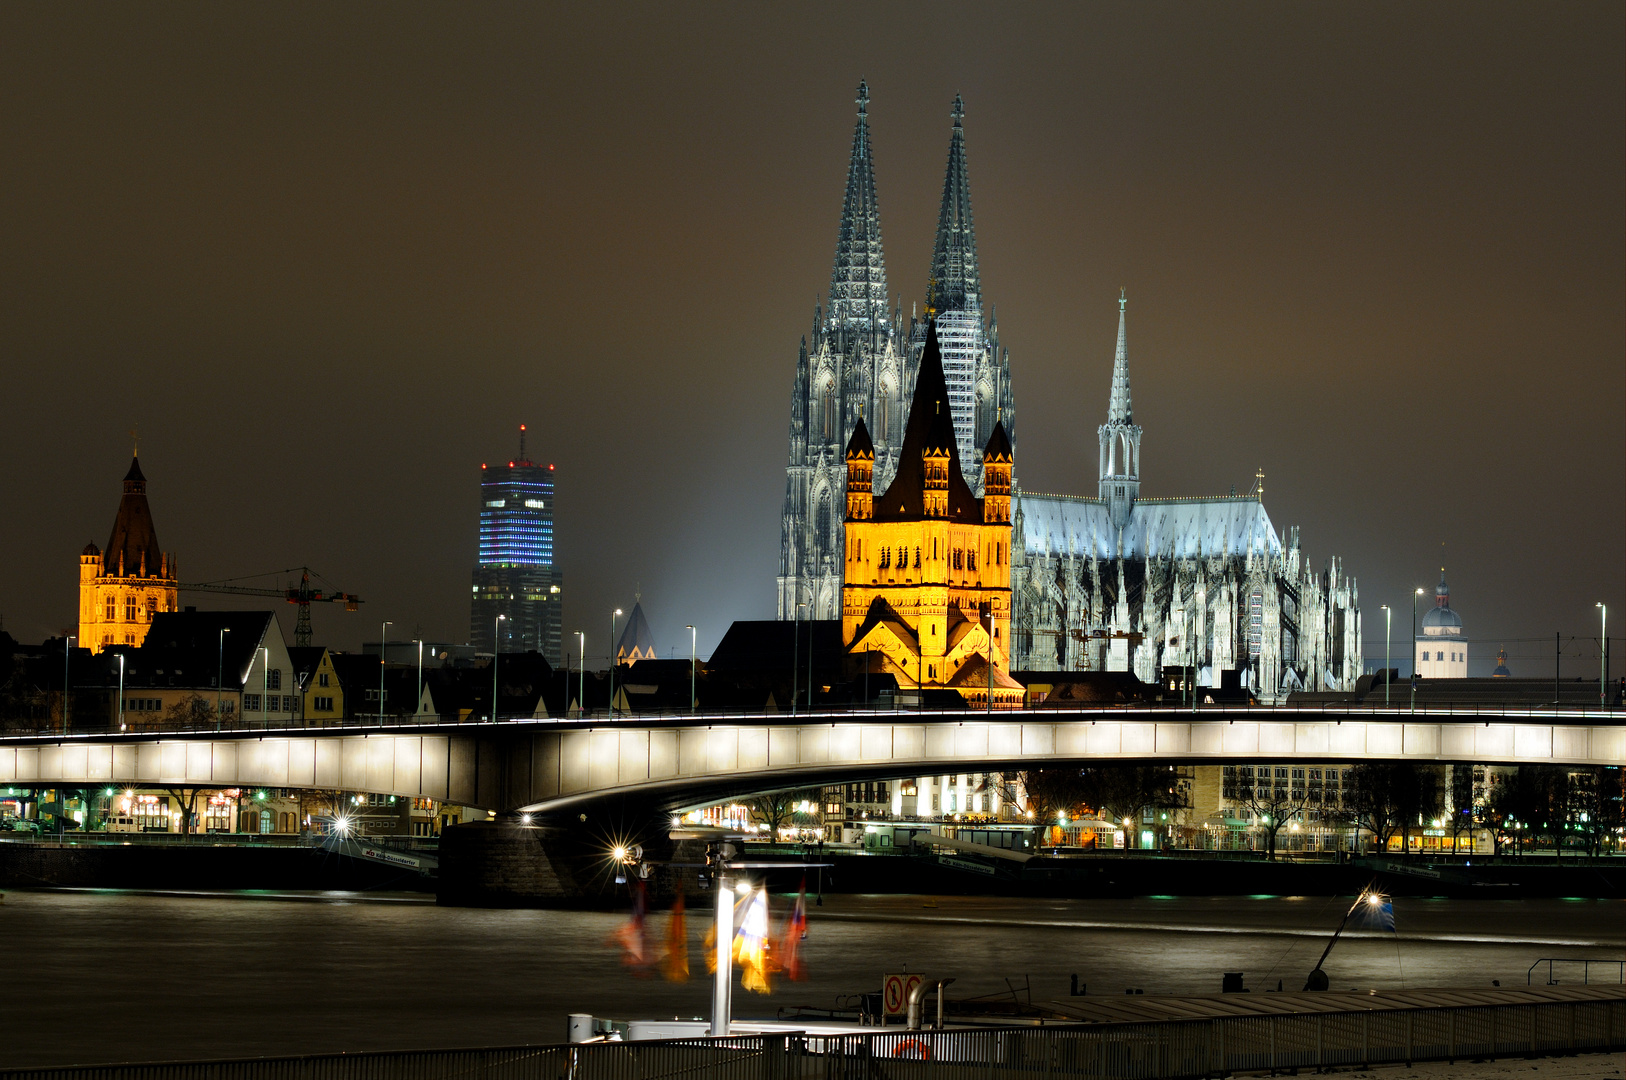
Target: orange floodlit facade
[(927, 590), (123, 588)]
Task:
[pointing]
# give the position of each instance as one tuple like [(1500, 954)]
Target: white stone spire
[(1119, 484)]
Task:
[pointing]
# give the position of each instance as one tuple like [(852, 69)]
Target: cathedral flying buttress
[(860, 361)]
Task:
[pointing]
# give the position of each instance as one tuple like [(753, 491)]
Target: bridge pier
[(564, 859)]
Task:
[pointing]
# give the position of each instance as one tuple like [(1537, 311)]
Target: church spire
[(858, 281), (1119, 409), (954, 284), (1119, 484)]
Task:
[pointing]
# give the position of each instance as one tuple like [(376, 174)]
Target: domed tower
[(124, 586), (1441, 651)]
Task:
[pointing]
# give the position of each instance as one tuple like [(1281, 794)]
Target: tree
[(776, 808), (1273, 800), (192, 711), (1389, 797)]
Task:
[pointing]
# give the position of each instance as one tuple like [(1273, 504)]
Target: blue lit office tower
[(516, 576)]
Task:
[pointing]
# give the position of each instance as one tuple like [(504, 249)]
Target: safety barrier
[(1153, 1050)]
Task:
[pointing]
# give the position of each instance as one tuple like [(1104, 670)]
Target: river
[(100, 976)]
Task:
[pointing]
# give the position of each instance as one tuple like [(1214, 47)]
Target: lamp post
[(1603, 653), (613, 616), (419, 706), (693, 636), (265, 684), (220, 678), (383, 640), (795, 655), (496, 651), (581, 674), (1414, 660), (1386, 618), (67, 674), (121, 691), (990, 658), (1192, 644)]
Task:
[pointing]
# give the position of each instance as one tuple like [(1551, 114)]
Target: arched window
[(821, 527), (112, 609), (829, 409)]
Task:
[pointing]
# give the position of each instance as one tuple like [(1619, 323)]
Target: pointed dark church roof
[(930, 427), (955, 285), (999, 444), (636, 643), (858, 281), (860, 443), (133, 549)]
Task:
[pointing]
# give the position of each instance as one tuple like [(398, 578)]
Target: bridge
[(680, 761)]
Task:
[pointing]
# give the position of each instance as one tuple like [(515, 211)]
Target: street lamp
[(581, 674), (1191, 644), (1386, 618), (1603, 653), (990, 658), (265, 684), (121, 691), (1414, 661), (419, 706), (383, 640), (795, 654), (67, 674), (693, 633), (220, 678), (613, 616), (496, 651)]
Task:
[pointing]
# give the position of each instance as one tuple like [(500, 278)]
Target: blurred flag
[(790, 946), (632, 937), (675, 959), (751, 944)]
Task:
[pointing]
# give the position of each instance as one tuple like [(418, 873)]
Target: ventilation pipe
[(918, 994)]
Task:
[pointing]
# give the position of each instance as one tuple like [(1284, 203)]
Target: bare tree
[(776, 808)]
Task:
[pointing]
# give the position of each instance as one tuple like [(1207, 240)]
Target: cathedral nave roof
[(1159, 528)]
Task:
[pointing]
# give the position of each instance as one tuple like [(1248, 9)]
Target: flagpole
[(725, 940)]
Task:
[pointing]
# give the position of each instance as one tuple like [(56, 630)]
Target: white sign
[(895, 991)]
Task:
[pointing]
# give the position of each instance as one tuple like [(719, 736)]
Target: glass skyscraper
[(516, 576)]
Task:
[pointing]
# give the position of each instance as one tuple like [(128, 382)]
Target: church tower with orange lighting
[(927, 595), (122, 588)]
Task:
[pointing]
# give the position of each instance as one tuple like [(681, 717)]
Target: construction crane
[(304, 595)]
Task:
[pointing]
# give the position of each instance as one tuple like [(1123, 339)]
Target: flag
[(631, 937), (751, 944), (790, 946), (675, 959)]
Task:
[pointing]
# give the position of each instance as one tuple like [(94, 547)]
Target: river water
[(102, 976)]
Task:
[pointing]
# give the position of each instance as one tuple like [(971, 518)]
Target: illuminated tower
[(861, 360), (927, 592), (1119, 485), (123, 588), (516, 576), (1442, 653)]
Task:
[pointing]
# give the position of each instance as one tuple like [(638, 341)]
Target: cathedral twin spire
[(1119, 484), (858, 280), (954, 284)]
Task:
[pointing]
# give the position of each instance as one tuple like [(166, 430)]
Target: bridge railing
[(1174, 1049), (1278, 712)]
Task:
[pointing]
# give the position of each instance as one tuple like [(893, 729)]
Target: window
[(917, 558), (322, 704), (129, 609), (321, 680), (112, 613), (1441, 655), (251, 703), (152, 607), (274, 678)]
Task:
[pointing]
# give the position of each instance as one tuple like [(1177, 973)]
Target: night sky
[(327, 258)]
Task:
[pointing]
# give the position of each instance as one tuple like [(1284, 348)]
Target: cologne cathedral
[(861, 360), (1203, 586), (1178, 591)]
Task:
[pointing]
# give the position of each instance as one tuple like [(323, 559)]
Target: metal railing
[(1399, 713), (1124, 1051), (1619, 967)]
